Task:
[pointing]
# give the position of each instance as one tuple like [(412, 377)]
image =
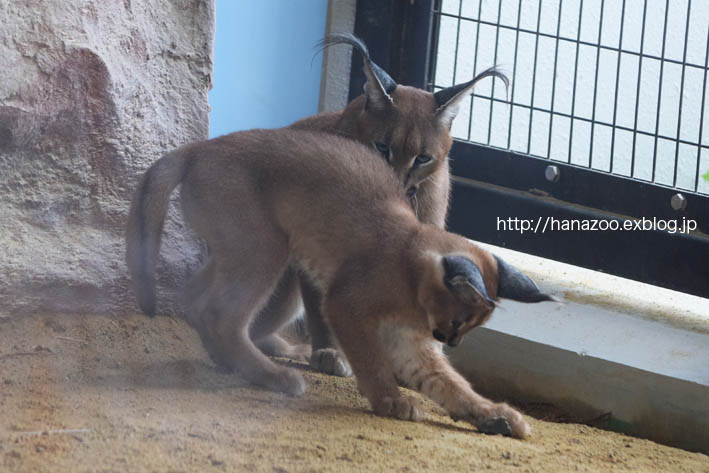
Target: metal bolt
[(552, 173), (678, 202)]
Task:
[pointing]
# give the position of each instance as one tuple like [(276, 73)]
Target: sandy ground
[(132, 394)]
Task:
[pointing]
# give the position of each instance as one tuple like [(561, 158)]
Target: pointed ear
[(379, 85), (448, 100), (512, 284), (464, 279)]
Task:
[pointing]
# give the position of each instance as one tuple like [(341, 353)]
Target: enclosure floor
[(95, 394)]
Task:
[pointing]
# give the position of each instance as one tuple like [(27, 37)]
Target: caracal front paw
[(501, 419), (401, 406), (330, 361)]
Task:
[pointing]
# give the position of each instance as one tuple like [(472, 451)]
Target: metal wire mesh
[(618, 86)]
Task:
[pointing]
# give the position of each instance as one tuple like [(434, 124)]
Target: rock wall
[(91, 94)]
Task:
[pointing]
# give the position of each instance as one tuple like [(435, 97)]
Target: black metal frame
[(396, 32), (492, 183)]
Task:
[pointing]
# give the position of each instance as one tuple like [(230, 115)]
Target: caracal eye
[(422, 159), (384, 149)]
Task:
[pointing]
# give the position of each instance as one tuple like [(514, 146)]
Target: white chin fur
[(431, 322)]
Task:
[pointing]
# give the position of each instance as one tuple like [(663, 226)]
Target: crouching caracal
[(269, 203)]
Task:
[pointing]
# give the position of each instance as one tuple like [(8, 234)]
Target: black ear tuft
[(512, 284), (464, 279), (449, 99), (379, 84)]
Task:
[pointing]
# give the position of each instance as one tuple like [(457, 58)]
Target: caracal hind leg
[(235, 296), (249, 253), (199, 305), (284, 303), (248, 256), (325, 356), (358, 337), (420, 364)]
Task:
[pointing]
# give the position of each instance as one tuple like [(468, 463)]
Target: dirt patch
[(94, 394)]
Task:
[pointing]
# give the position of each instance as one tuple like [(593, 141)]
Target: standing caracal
[(410, 128)]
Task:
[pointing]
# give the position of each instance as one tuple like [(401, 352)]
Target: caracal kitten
[(271, 202)]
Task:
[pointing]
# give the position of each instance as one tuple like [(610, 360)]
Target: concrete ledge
[(637, 402), (634, 353)]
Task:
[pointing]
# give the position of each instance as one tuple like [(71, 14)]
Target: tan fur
[(268, 202), (410, 127)]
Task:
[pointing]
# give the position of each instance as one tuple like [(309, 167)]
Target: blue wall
[(264, 72)]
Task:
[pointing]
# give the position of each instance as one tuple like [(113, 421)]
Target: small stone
[(54, 325), (408, 437), (214, 461)]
